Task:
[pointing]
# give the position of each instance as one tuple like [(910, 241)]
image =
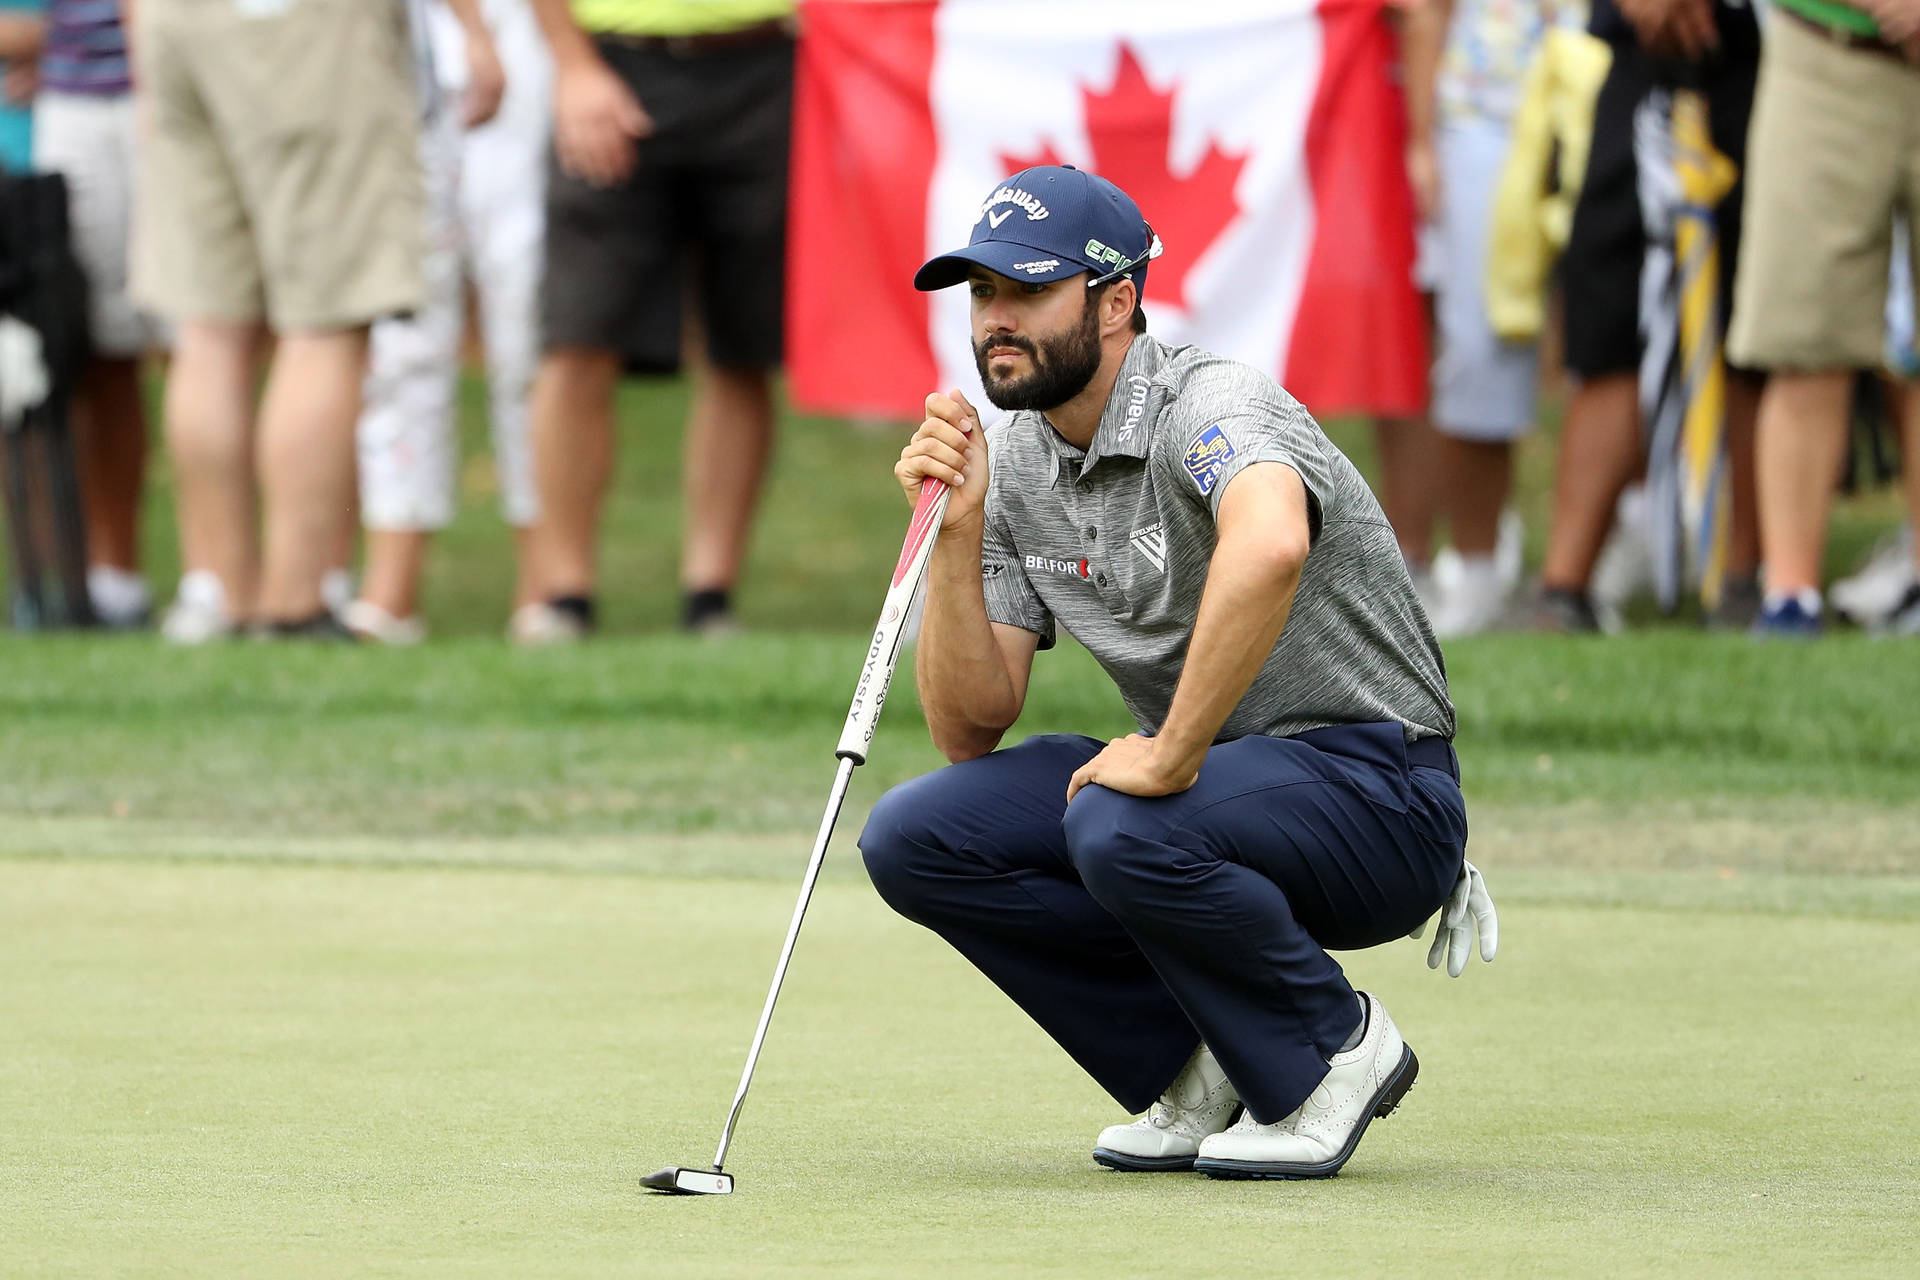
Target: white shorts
[(485, 221), (1483, 388), (90, 141)]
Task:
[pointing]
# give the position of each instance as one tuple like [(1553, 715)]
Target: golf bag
[(43, 344)]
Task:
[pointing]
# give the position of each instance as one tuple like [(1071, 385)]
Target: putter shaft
[(842, 776)]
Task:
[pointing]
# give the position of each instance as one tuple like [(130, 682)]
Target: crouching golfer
[(1162, 904)]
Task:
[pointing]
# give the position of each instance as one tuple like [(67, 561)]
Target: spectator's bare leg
[(1409, 452), (1600, 453), (729, 438), (1743, 509), (1802, 440), (396, 560), (1478, 475), (110, 427), (210, 414), (306, 461), (526, 581), (1909, 401), (572, 412)]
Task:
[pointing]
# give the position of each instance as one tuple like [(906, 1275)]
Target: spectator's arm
[(596, 119), (486, 79), (1899, 20), (1673, 28), (21, 36), (1423, 38), (564, 36)]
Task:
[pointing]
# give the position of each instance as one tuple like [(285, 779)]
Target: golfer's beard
[(1062, 367)]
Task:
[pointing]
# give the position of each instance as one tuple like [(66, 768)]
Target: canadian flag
[(1262, 139)]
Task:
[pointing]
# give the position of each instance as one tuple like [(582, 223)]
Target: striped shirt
[(86, 50), (1114, 544)]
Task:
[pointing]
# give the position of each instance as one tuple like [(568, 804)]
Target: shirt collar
[(1123, 429)]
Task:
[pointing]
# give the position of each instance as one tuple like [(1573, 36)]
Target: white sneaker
[(119, 597), (540, 623), (1367, 1080), (371, 622), (1473, 600), (336, 592), (199, 613), (1625, 567), (1871, 595), (1509, 548), (1198, 1104)]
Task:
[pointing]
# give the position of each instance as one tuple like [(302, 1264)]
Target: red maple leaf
[(1130, 127)]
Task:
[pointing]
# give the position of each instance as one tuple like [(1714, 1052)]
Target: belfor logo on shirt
[(1069, 568)]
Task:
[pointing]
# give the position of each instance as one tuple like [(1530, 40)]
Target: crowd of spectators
[(294, 199)]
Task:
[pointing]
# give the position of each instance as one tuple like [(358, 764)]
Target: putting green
[(279, 1070)]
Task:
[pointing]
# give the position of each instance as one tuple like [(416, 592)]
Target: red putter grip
[(920, 528)]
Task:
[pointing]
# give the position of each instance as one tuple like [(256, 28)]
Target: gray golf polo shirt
[(1113, 544)]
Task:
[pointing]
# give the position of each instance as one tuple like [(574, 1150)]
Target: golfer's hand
[(1468, 908), (1137, 765), (949, 447), (596, 122)]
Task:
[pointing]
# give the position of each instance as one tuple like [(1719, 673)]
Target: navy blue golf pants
[(1131, 928)]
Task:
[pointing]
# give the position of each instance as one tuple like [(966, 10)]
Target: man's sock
[(580, 608), (1359, 1032), (699, 607)]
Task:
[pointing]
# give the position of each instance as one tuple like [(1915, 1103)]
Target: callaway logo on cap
[(1050, 222)]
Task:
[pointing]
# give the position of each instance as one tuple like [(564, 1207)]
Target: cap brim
[(1015, 261)]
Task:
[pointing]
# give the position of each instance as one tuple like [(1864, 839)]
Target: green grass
[(332, 961), (274, 1071)]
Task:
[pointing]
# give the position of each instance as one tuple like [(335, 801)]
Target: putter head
[(689, 1182)]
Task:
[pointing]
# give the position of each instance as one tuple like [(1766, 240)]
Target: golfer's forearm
[(965, 688), (1250, 586)]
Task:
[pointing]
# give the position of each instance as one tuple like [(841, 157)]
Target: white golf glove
[(1468, 907)]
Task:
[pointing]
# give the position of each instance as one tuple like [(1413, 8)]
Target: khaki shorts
[(281, 175), (1833, 153)]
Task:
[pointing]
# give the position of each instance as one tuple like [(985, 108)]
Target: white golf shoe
[(1367, 1080), (1199, 1103)]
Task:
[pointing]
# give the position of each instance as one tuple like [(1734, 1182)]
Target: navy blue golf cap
[(1050, 222)]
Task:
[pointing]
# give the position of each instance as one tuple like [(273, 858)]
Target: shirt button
[(1092, 533), (1101, 579)]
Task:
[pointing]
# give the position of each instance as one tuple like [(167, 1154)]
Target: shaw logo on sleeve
[(1206, 456)]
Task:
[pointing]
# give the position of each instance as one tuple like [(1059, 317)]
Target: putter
[(868, 695)]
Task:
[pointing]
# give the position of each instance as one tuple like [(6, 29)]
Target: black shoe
[(324, 625), (1739, 604), (579, 610), (1555, 610), (1905, 618), (708, 614)]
